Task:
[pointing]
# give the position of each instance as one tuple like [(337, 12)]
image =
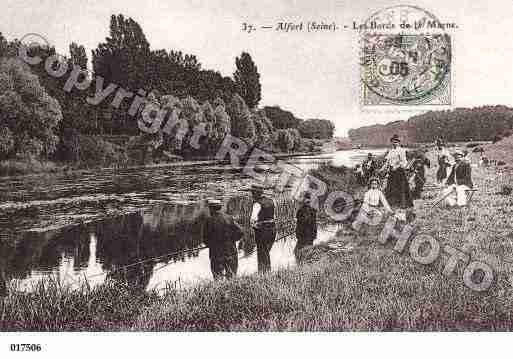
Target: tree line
[(484, 123), (37, 114)]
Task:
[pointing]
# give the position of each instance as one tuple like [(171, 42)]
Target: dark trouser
[(224, 266), (264, 238)]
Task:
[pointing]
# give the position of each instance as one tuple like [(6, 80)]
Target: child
[(306, 227), (370, 212)]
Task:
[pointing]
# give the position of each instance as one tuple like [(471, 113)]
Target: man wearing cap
[(262, 221), (221, 233), (459, 181), (397, 191)]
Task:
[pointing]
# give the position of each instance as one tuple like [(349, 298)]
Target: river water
[(132, 224)]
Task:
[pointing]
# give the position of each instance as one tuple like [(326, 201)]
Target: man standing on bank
[(306, 223), (221, 233), (459, 181), (262, 221)]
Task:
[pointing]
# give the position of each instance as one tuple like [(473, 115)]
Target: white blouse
[(396, 158), (372, 198)]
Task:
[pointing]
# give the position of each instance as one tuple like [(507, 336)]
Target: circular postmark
[(405, 57), (33, 40)]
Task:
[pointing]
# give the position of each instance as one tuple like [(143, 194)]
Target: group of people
[(404, 183), (221, 233)]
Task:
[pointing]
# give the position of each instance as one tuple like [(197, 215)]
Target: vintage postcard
[(236, 166)]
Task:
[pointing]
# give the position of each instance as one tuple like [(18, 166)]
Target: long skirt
[(441, 173), (397, 191)]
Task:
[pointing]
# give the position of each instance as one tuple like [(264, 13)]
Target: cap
[(395, 138), (215, 203)]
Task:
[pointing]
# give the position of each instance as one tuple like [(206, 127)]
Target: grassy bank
[(367, 286)]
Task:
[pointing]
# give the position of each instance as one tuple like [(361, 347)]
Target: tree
[(124, 57), (27, 110), (242, 125), (281, 118), (316, 128), (263, 131), (78, 55), (247, 80)]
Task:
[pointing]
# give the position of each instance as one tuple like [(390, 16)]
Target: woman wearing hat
[(397, 190), (444, 162)]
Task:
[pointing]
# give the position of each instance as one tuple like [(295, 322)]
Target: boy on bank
[(306, 223), (370, 211)]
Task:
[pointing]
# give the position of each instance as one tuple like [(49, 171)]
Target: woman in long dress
[(397, 191), (444, 162)]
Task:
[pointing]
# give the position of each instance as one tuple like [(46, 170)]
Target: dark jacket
[(369, 168), (463, 174), (306, 227), (221, 234), (267, 209)]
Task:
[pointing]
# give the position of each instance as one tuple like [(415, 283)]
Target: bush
[(96, 152), (27, 110)]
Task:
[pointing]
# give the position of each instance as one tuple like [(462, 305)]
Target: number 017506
[(25, 347)]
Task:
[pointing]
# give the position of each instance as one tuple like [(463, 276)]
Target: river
[(91, 225)]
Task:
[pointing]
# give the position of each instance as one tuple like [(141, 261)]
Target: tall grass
[(364, 290), (366, 287), (54, 307)]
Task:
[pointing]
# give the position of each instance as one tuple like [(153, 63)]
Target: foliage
[(316, 128), (247, 80), (281, 118), (242, 125), (95, 151), (263, 131), (26, 109), (483, 123)]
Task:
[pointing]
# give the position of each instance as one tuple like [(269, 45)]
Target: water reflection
[(139, 248), (93, 224)]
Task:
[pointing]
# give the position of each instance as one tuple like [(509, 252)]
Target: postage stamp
[(405, 59)]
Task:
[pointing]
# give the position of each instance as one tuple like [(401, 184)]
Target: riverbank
[(351, 283), (34, 167)]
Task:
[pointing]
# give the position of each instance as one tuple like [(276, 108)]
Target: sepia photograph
[(236, 166)]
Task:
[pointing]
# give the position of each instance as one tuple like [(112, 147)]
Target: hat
[(214, 203), (395, 138), (458, 152), (372, 179)]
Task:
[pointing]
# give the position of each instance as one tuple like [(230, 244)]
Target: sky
[(314, 75)]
